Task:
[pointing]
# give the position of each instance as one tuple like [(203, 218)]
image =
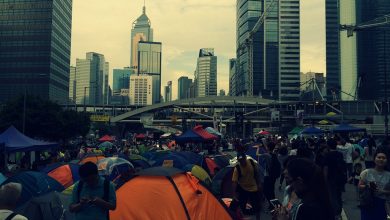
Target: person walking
[(93, 196), (9, 196), (376, 180), (308, 183), (247, 185)]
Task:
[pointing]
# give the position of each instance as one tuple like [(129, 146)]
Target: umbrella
[(263, 132), (312, 130), (347, 128)]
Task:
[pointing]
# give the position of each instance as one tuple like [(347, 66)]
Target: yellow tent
[(331, 114)]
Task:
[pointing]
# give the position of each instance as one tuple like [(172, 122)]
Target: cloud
[(183, 27)]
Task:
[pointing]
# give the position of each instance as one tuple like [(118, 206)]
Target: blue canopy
[(15, 141), (347, 128), (189, 136), (312, 130), (34, 184)]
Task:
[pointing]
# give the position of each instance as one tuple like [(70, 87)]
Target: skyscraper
[(184, 85), (373, 51), (121, 79), (141, 90), (332, 48), (206, 73), (141, 31), (35, 39), (268, 59), (149, 63), (168, 92), (72, 84), (232, 77), (91, 79)]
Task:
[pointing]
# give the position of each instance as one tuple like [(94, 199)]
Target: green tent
[(297, 130)]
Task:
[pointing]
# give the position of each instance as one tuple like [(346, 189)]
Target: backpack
[(105, 195), (275, 169), (255, 171)]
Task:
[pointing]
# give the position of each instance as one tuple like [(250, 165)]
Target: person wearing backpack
[(9, 196), (335, 171), (247, 185), (93, 196)]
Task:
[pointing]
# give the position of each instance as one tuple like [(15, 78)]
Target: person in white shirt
[(9, 196), (346, 149)]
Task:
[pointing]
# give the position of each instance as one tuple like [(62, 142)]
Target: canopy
[(34, 184), (15, 141), (140, 136), (106, 138), (296, 130), (222, 184), (189, 136), (167, 193), (347, 128), (166, 135), (323, 122), (312, 130), (213, 131), (331, 114), (204, 134), (263, 132)]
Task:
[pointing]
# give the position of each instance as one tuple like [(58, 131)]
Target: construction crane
[(377, 22), (248, 43)]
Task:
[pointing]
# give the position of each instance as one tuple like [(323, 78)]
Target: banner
[(100, 118)]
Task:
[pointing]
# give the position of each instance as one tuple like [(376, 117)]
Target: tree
[(44, 119)]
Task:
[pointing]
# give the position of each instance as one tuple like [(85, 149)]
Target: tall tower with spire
[(141, 31)]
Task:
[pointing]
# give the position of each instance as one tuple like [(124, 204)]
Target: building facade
[(206, 73), (91, 77), (72, 84), (35, 45), (268, 59), (141, 90), (184, 84), (149, 63), (232, 77), (121, 79), (168, 92), (332, 25), (373, 51), (141, 31)]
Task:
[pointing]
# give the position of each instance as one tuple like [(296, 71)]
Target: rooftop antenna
[(144, 8)]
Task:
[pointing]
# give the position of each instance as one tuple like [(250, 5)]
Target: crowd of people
[(312, 172)]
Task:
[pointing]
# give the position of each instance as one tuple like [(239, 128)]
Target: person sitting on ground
[(246, 183), (9, 196), (92, 196), (308, 182)]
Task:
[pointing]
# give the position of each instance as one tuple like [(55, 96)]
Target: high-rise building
[(35, 40), (184, 84), (373, 51), (232, 77), (91, 79), (141, 31), (206, 73), (332, 21), (168, 92), (149, 63), (141, 90), (72, 84), (121, 79), (268, 62)]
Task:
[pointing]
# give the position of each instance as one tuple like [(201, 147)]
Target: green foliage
[(44, 119)]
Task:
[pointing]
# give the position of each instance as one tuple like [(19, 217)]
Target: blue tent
[(2, 178), (15, 141), (178, 161), (191, 157), (189, 136), (347, 128), (34, 184), (312, 130)]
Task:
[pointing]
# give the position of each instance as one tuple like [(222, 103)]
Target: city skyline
[(181, 44)]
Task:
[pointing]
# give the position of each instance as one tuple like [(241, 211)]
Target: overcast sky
[(183, 27)]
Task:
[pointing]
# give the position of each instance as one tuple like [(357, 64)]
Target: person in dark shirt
[(335, 170), (308, 183)]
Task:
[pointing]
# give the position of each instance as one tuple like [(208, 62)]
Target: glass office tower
[(206, 73), (35, 39), (149, 63), (184, 84)]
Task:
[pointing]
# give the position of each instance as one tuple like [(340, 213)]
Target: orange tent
[(91, 158), (167, 193)]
